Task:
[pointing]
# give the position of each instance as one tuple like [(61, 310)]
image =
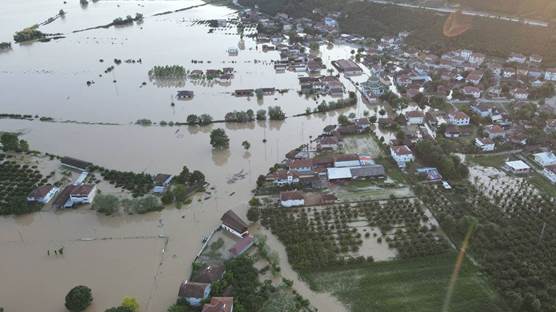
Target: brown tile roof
[(219, 304), (192, 290), (82, 190), (232, 220), (77, 163), (241, 246), (414, 113), (41, 191), (301, 163), (347, 157), (401, 150), (291, 195)]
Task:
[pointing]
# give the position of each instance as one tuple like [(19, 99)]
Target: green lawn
[(542, 184), (495, 161), (415, 285)]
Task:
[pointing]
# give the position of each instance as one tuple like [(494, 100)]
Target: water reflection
[(220, 156)]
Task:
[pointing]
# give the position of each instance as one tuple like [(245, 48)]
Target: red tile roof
[(219, 304)]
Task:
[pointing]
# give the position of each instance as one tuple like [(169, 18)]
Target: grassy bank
[(415, 285)]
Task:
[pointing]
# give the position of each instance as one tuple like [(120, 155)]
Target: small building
[(415, 117), (347, 160), (485, 144), (550, 173), (241, 246), (283, 177), (42, 194), (328, 143), (233, 52), (458, 118), (545, 159), (402, 155), (517, 167), (161, 182), (472, 91), (184, 95), (194, 293), (347, 67), (520, 94), (301, 165), (82, 194), (363, 124), (232, 223), (430, 174), (77, 164), (336, 174), (244, 92), (517, 58), (219, 304), (550, 74), (452, 131), (292, 199), (495, 132), (367, 172)]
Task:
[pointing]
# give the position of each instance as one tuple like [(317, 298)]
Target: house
[(535, 59), (241, 246), (520, 94), (244, 92), (474, 77), (82, 194), (194, 293), (232, 223), (476, 58), (367, 172), (508, 72), (328, 143), (347, 160), (209, 273), (472, 91), (415, 117), (283, 177), (452, 131), (292, 199), (516, 58), (545, 159), (76, 164), (495, 132), (484, 110), (430, 174), (347, 67), (458, 118), (42, 194), (219, 304), (485, 144), (301, 165), (517, 167), (362, 124), (161, 182), (336, 174), (550, 74), (550, 173), (402, 155), (184, 95)]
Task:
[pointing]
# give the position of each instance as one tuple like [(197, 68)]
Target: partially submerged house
[(161, 182), (232, 223), (194, 293), (292, 199), (76, 164), (241, 246), (42, 194)]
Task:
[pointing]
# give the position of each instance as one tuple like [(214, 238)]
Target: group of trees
[(138, 184), (168, 72), (240, 116), (219, 139), (183, 185), (127, 20), (431, 154), (11, 143), (201, 120), (329, 106), (16, 182), (276, 113), (28, 34)]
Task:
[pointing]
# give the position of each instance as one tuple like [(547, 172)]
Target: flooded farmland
[(145, 256)]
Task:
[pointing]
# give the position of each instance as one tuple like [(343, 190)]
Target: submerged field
[(416, 285)]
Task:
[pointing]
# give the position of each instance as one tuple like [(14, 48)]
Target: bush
[(79, 298), (106, 204)]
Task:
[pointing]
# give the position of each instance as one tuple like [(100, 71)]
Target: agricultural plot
[(513, 236), (416, 285), (361, 144), (320, 237), (16, 182)]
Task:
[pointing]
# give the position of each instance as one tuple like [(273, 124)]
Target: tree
[(167, 198), (219, 139), (9, 142), (253, 214), (183, 177), (276, 113), (343, 120), (78, 298), (261, 114), (205, 119), (23, 146), (261, 180), (192, 119), (372, 119), (130, 303), (180, 194), (197, 177), (246, 145), (106, 204)]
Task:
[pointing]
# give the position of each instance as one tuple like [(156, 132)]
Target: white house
[(415, 117), (232, 223), (545, 159), (194, 293), (517, 167), (517, 58), (550, 74), (83, 194), (550, 173), (520, 94), (43, 194), (292, 199), (458, 118), (485, 144), (402, 155), (283, 177)]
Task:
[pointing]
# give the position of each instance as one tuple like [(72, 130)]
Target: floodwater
[(143, 256)]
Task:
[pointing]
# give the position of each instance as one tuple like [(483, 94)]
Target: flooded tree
[(78, 298), (219, 139)]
